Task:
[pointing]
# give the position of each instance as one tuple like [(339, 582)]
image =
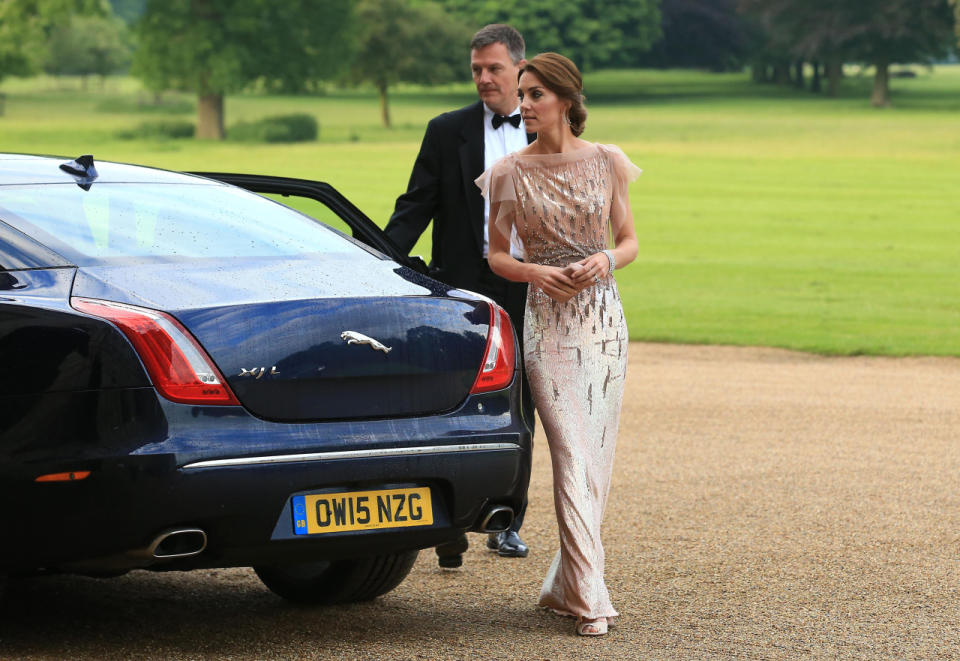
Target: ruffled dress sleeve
[(624, 172), (496, 185)]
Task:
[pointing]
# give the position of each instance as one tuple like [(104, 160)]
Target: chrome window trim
[(351, 454)]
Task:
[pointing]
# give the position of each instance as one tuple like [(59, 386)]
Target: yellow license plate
[(318, 513)]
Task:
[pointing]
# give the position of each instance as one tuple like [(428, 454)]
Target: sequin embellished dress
[(562, 207)]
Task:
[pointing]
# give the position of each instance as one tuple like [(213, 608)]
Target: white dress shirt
[(497, 143)]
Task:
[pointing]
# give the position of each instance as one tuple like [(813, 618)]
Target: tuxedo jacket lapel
[(471, 167)]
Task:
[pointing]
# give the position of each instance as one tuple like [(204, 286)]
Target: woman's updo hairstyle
[(561, 76)]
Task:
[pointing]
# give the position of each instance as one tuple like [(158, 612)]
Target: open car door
[(324, 203)]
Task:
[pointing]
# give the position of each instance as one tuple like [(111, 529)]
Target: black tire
[(338, 581)]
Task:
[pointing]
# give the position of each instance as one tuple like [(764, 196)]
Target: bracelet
[(611, 259)]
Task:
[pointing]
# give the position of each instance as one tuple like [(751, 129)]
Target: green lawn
[(766, 216)]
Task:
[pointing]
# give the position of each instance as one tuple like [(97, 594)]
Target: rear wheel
[(338, 581)]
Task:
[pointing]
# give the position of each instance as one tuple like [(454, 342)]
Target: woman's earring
[(566, 117)]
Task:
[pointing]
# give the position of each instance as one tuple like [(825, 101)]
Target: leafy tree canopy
[(709, 34), (399, 41), (26, 27), (878, 32), (956, 18), (221, 46), (87, 45), (128, 10), (866, 30), (900, 30), (213, 47), (592, 33)]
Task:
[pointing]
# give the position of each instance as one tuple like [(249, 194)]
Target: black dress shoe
[(450, 554), (507, 544), (451, 561)]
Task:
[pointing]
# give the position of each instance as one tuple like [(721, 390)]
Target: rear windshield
[(111, 222)]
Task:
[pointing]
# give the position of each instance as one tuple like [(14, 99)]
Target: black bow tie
[(500, 119)]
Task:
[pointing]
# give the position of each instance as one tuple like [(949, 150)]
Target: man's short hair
[(498, 33)]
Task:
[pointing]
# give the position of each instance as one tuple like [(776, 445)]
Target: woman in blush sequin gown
[(562, 198)]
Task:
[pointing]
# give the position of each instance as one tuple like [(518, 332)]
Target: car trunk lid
[(303, 341), (322, 359)]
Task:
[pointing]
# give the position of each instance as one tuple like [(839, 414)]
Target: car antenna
[(82, 169)]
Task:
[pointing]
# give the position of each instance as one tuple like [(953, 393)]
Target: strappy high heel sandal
[(596, 627)]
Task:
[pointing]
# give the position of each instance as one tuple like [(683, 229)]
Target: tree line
[(215, 47), (828, 33)]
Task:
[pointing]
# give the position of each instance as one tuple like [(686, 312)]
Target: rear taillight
[(499, 360), (178, 366)]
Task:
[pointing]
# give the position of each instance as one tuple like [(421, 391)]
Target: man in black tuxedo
[(458, 147)]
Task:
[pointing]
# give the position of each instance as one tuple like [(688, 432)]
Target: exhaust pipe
[(497, 519), (178, 543), (171, 544)]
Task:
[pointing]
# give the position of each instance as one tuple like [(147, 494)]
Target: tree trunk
[(815, 82), (834, 70), (210, 116), (384, 107), (881, 86), (798, 69), (781, 72)]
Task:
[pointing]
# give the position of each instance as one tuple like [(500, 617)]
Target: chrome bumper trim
[(351, 454)]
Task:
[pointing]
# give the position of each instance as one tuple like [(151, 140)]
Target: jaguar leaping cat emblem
[(353, 337)]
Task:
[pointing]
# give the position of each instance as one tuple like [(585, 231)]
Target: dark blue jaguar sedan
[(196, 375)]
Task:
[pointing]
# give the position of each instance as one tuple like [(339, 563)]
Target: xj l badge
[(257, 372), (353, 337)]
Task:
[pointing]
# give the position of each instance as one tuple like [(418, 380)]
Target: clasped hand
[(561, 283)]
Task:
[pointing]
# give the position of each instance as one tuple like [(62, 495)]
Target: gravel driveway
[(766, 504)]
